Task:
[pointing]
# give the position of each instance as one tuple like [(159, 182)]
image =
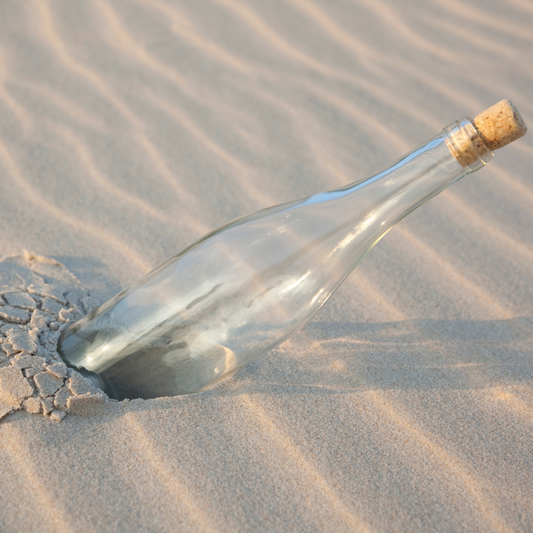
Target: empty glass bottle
[(244, 288)]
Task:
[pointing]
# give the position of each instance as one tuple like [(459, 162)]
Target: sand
[(39, 298), (130, 129)]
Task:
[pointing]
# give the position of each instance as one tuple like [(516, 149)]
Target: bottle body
[(245, 288)]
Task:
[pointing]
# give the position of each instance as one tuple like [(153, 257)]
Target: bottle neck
[(466, 145), (373, 206), (422, 174)]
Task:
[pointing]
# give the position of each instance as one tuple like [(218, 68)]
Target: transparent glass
[(244, 288)]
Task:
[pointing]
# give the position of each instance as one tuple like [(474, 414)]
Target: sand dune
[(130, 129)]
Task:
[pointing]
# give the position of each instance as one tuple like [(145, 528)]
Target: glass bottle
[(244, 288)]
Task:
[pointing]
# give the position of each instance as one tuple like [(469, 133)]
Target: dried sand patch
[(39, 298)]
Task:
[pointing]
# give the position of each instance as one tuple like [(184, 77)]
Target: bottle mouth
[(466, 145)]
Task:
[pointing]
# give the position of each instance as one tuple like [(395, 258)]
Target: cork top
[(473, 141), (500, 125)]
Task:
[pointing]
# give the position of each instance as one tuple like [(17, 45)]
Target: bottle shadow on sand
[(340, 358), (343, 358)]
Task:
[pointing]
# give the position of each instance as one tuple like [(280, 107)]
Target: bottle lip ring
[(466, 145)]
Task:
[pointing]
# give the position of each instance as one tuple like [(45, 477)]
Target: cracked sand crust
[(39, 298)]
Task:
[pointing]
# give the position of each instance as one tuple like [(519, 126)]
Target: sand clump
[(39, 298)]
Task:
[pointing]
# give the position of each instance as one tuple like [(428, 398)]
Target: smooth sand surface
[(128, 129)]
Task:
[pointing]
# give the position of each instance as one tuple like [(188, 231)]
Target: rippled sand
[(128, 129)]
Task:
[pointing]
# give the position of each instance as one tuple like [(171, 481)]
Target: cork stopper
[(472, 142), (500, 125)]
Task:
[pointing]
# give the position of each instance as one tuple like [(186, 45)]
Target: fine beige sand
[(128, 129)]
